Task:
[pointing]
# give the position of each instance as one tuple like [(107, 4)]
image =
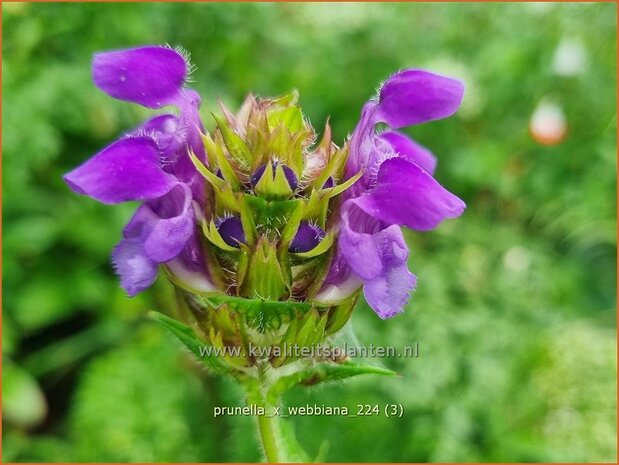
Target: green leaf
[(234, 143), (186, 335), (261, 313), (264, 278), (291, 450), (292, 225), (247, 219), (203, 170), (291, 118), (288, 99), (323, 372), (345, 185), (217, 158), (272, 214)]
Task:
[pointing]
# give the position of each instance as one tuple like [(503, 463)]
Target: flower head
[(256, 208), (150, 164), (396, 189)]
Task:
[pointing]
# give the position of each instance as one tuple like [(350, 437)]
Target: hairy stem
[(267, 428), (268, 424)]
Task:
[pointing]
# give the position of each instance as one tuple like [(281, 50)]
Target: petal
[(151, 76), (129, 169), (388, 292), (414, 96), (407, 195), (340, 282), (189, 268), (356, 242), (361, 144), (173, 139), (136, 270), (410, 150), (164, 130), (191, 123), (378, 257), (164, 225)]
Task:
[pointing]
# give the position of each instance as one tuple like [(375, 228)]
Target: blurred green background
[(515, 307)]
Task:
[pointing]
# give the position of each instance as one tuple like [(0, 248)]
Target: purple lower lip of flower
[(231, 231), (308, 236), (293, 182)]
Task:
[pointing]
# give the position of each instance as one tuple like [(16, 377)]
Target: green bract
[(265, 169)]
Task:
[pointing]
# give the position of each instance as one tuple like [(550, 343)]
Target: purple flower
[(396, 189), (151, 165), (271, 204)]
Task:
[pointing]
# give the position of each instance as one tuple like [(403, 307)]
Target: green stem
[(266, 425)]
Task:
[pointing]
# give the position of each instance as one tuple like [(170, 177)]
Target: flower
[(397, 188), (255, 208), (150, 164)]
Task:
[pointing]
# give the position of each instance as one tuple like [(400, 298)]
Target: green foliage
[(514, 312), (139, 403)]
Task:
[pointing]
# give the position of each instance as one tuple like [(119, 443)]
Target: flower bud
[(231, 231), (290, 176), (329, 183), (307, 237)]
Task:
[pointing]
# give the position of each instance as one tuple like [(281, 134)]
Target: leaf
[(289, 117), (324, 372), (186, 335), (345, 185), (261, 313), (203, 170), (234, 143), (218, 158), (291, 450)]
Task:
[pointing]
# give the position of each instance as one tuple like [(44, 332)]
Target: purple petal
[(173, 140), (129, 169), (189, 268), (164, 225), (191, 122), (407, 195), (378, 257), (414, 96), (164, 130), (170, 234), (361, 144), (410, 150), (151, 76), (137, 272), (388, 292)]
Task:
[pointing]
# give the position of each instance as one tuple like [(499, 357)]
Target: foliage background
[(514, 312)]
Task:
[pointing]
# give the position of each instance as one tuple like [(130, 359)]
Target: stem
[(266, 425)]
